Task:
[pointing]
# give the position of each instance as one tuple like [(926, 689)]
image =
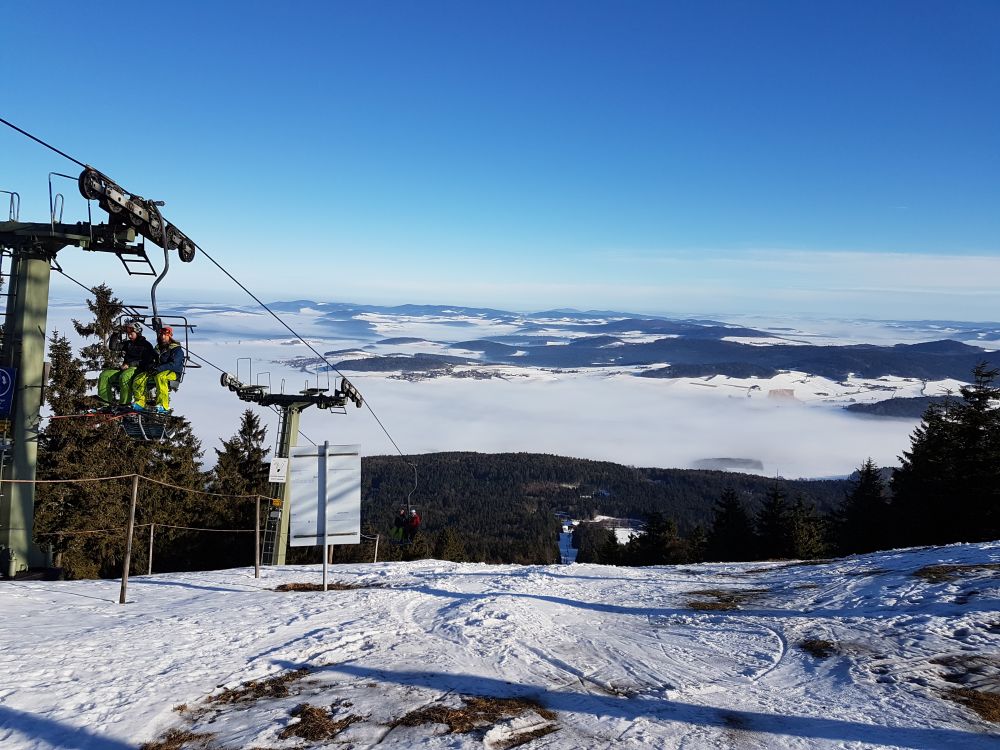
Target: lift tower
[(32, 249), (290, 406)]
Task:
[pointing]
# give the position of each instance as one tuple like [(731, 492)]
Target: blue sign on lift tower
[(6, 391)]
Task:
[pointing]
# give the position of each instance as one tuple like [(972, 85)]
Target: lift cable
[(240, 285), (39, 140), (328, 363), (296, 335)]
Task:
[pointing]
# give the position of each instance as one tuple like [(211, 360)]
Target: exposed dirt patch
[(979, 677), (987, 705), (819, 648), (869, 573), (179, 739), (331, 586), (273, 687), (723, 600), (476, 712), (525, 737), (948, 573), (316, 724)]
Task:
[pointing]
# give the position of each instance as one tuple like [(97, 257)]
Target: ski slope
[(599, 657)]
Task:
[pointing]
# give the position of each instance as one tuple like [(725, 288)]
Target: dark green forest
[(497, 508)]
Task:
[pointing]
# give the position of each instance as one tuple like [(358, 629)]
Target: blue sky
[(715, 157)]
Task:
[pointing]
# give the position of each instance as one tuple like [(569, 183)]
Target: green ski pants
[(116, 380), (162, 387)]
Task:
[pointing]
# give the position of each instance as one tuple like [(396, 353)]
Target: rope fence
[(89, 531), (132, 525)]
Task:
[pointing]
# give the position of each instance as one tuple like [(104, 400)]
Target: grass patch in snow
[(525, 737), (273, 687), (987, 705), (948, 573), (476, 712), (315, 724), (178, 739), (974, 672), (332, 586), (818, 647), (723, 600), (867, 573)]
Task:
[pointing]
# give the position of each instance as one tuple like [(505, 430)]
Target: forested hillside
[(503, 505)]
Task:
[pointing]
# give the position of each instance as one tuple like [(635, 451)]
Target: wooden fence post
[(256, 541), (149, 571), (128, 541)]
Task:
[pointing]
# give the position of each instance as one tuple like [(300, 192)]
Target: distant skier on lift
[(399, 526), (138, 356), (412, 525), (169, 366)]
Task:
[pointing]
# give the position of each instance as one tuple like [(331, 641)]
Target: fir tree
[(658, 544), (947, 488), (595, 544), (731, 536), (806, 531), (106, 309), (772, 526), (448, 546), (241, 464), (862, 522), (58, 507)]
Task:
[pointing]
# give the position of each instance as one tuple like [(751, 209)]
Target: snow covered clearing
[(855, 653)]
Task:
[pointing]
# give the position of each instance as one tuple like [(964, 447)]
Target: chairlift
[(150, 425)]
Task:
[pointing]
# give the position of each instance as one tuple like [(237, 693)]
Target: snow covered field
[(853, 653)]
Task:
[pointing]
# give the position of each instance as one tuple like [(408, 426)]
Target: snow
[(618, 655)]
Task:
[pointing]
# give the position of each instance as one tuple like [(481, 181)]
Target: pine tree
[(947, 488), (731, 536), (658, 544), (772, 526), (862, 522), (74, 446), (448, 546), (697, 544), (241, 465), (241, 468), (106, 309), (595, 544), (59, 507), (806, 531)]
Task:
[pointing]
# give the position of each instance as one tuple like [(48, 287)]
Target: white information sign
[(325, 505), (279, 470)]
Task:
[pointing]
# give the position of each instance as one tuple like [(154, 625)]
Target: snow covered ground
[(852, 653)]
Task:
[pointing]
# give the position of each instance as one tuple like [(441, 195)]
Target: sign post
[(323, 504), (325, 483)]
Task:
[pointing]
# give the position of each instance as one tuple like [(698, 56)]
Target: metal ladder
[(269, 544)]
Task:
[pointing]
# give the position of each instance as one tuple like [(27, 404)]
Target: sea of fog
[(603, 414)]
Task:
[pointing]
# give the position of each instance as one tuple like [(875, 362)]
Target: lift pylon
[(32, 248), (290, 406)]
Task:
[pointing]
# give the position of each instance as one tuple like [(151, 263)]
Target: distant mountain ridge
[(566, 338)]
